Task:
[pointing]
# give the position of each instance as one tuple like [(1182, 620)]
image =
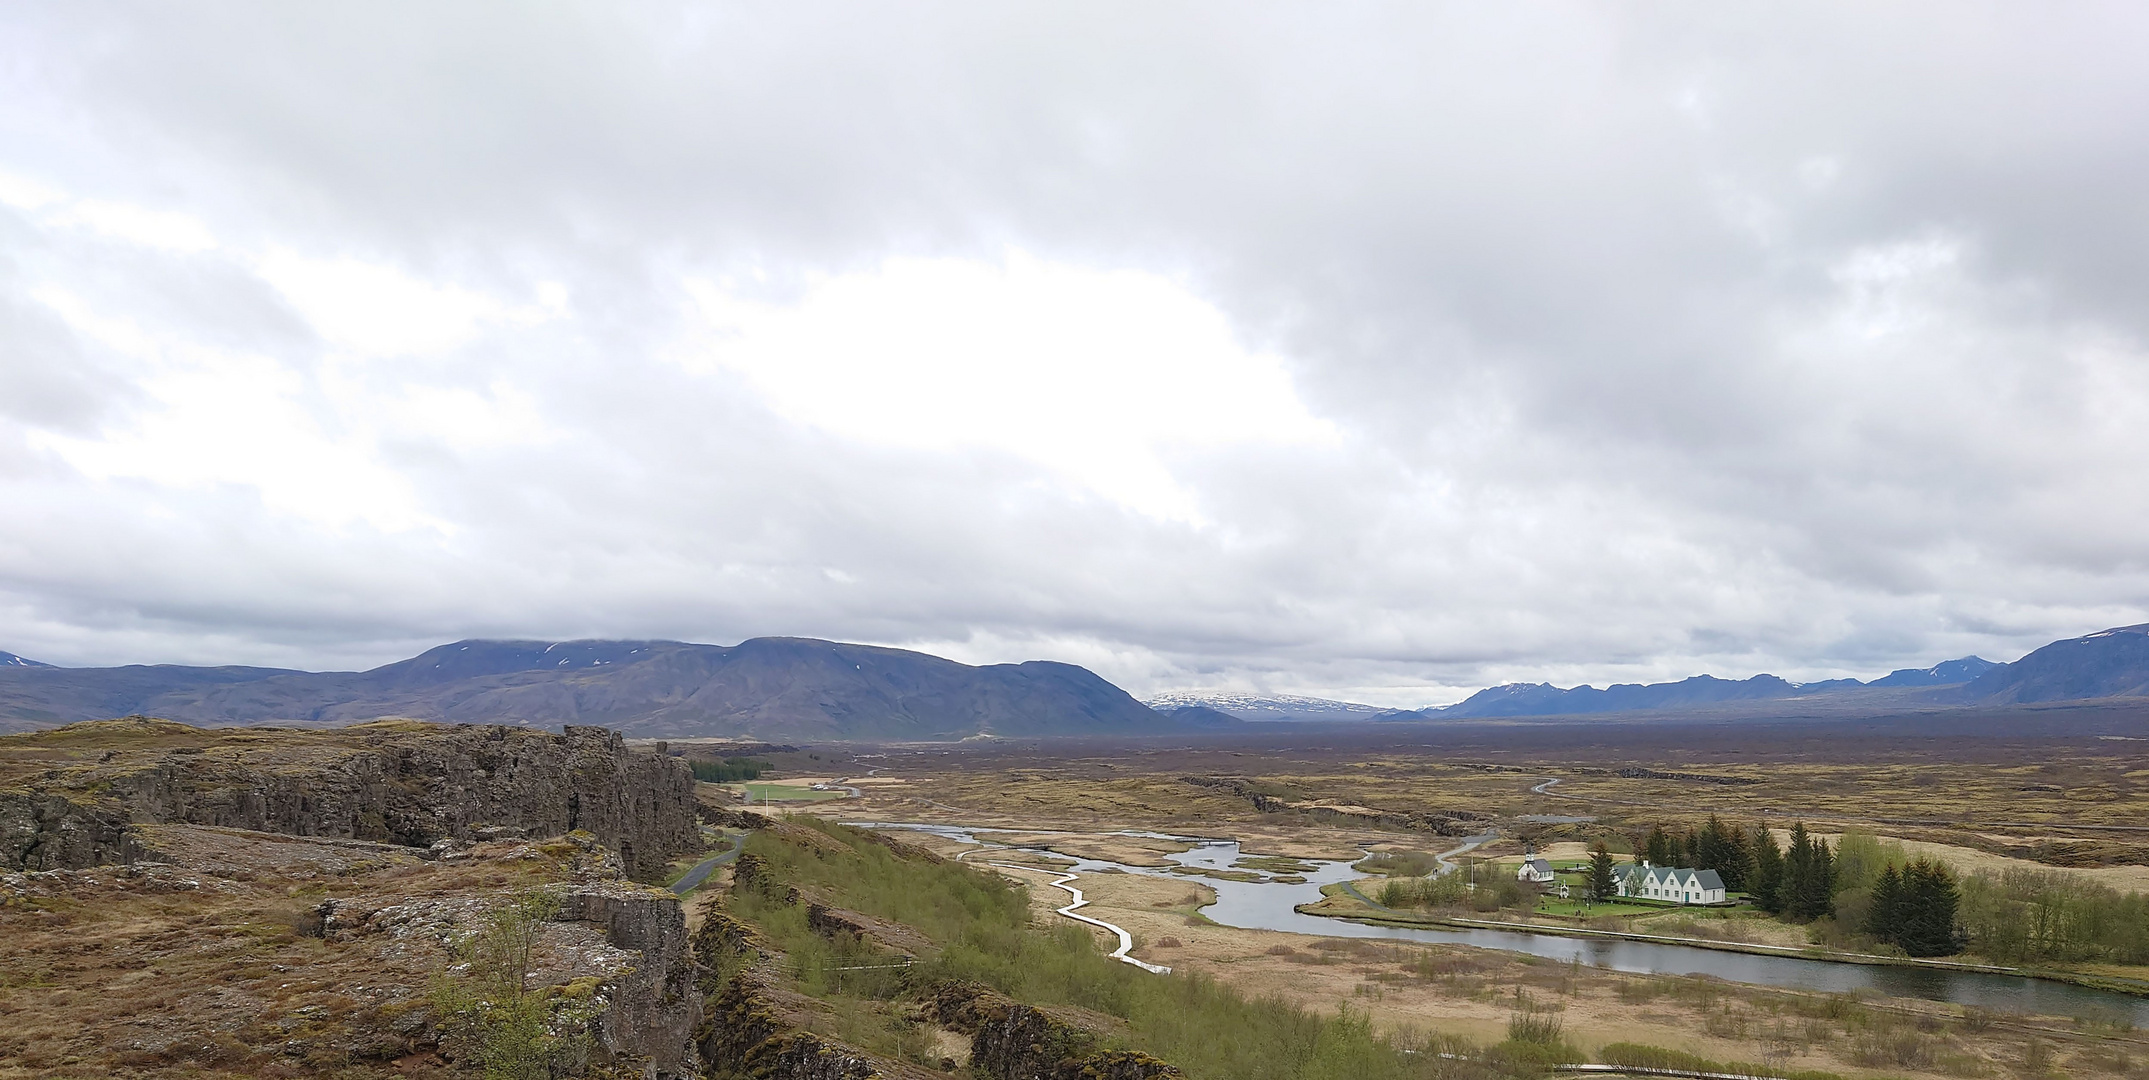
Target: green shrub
[(1398, 864), (1447, 890), (1540, 1028), (488, 1011)]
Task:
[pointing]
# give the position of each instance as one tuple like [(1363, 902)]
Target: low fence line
[(1643, 1070)]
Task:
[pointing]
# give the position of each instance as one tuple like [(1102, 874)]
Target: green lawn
[(1594, 911), (784, 793)]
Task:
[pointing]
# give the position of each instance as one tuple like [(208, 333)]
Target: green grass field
[(1555, 906), (784, 793)]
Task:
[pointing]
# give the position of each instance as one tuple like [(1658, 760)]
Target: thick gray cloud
[(1380, 350)]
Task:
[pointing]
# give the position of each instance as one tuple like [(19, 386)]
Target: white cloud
[(1391, 354), (372, 309), (232, 420), (127, 222), (1096, 375)]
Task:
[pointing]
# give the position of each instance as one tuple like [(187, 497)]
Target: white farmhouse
[(1535, 869), (1677, 885)]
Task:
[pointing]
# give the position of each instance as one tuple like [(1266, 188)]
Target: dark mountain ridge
[(794, 688), (1945, 673), (803, 688), (2108, 663)]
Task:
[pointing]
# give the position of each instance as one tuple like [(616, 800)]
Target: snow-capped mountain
[(8, 659), (1260, 707)]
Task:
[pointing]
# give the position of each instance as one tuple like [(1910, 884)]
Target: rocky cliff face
[(655, 1007), (1013, 1041), (398, 782)]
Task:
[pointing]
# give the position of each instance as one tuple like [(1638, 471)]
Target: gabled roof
[(1673, 876), (1538, 864)]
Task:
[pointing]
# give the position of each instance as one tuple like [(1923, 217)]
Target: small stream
[(1268, 905)]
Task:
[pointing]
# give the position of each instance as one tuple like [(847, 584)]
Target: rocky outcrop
[(721, 946), (744, 1036), (1265, 803), (1442, 822), (404, 783), (725, 817), (1013, 1041), (655, 1007), (40, 831), (623, 945), (1636, 772)]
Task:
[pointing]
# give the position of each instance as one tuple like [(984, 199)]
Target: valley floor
[(1340, 800)]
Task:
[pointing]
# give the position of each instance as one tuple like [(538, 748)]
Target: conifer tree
[(1601, 885), (1797, 873), (1660, 848), (1738, 868), (1809, 875), (1927, 920), (1766, 884), (1885, 920), (1721, 848)]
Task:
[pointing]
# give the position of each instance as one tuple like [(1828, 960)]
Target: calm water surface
[(1268, 906)]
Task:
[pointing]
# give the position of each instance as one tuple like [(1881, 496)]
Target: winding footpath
[(1126, 940)]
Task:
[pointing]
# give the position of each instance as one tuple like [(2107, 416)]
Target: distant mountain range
[(788, 688), (804, 689), (1945, 673), (1264, 708), (2108, 663)]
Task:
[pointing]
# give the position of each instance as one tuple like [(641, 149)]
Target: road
[(704, 868), (1469, 843)]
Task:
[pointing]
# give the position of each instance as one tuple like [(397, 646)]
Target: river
[(1270, 906)]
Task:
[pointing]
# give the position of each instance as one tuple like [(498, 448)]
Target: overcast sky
[(1374, 351)]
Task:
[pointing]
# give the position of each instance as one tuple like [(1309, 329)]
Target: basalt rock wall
[(656, 1007), (1013, 1041), (402, 783), (743, 1035)]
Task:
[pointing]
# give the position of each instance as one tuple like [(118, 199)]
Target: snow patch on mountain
[(1265, 706)]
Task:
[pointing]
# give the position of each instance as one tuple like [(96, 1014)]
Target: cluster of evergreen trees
[(730, 770), (1798, 882), (1715, 846), (1912, 903), (1914, 909)]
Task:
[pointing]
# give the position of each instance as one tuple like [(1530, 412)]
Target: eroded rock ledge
[(1013, 1041), (403, 783)]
